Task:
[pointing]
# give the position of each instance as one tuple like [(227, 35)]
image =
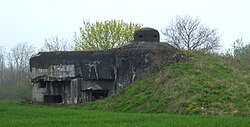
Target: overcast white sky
[(34, 20)]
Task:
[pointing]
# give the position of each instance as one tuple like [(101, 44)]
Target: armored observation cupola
[(147, 34)]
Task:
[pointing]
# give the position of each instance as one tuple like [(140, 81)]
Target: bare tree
[(15, 74), (54, 43), (18, 60), (2, 58), (2, 64), (189, 34), (21, 55)]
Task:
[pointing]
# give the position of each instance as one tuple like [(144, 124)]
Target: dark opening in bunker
[(140, 36), (41, 85), (99, 94), (52, 99), (91, 95)]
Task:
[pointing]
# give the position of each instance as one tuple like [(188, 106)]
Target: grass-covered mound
[(205, 84)]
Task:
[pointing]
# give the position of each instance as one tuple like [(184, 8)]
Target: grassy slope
[(207, 84), (12, 114)]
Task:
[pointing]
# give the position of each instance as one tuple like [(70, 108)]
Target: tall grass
[(22, 115)]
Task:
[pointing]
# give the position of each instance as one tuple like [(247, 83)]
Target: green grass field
[(205, 91), (23, 115)]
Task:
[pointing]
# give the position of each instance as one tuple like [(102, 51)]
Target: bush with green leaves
[(104, 35)]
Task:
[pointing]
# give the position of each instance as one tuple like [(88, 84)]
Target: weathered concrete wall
[(89, 65), (139, 59), (38, 93), (61, 71), (99, 66)]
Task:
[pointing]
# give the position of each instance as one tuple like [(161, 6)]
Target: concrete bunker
[(82, 76), (147, 35)]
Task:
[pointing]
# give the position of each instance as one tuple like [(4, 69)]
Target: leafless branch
[(189, 34)]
